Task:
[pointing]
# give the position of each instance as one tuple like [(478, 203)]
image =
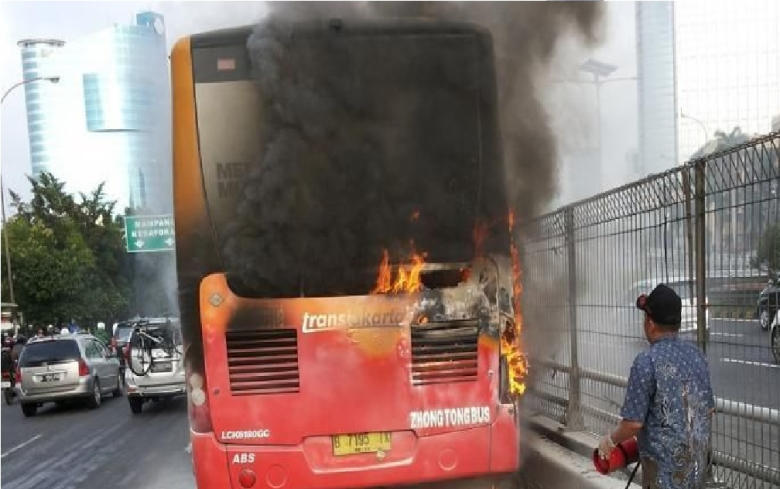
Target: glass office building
[(108, 117), (657, 87), (39, 95)]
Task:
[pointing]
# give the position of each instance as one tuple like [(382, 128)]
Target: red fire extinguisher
[(625, 453)]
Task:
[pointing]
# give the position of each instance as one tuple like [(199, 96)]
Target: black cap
[(663, 305)]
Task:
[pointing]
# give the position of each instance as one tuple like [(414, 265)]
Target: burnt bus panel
[(196, 252)]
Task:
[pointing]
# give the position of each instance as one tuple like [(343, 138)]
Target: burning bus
[(349, 290)]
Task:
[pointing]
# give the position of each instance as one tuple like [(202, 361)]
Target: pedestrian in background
[(669, 401), (16, 351)]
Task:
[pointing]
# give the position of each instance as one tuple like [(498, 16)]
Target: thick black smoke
[(380, 141)]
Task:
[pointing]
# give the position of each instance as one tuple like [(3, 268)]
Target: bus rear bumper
[(476, 452)]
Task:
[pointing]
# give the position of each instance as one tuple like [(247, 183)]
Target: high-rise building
[(728, 68), (40, 96), (657, 86), (704, 66), (108, 117)]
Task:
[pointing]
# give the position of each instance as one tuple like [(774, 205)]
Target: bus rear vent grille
[(444, 352), (262, 361)]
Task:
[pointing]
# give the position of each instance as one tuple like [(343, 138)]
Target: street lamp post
[(683, 115), (600, 72), (52, 79)]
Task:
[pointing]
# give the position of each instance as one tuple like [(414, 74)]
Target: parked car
[(155, 362), (66, 367), (775, 336), (768, 300), (685, 289)]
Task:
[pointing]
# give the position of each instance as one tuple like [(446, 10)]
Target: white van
[(154, 358)]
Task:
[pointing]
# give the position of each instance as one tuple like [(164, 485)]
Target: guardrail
[(708, 228), (723, 406)]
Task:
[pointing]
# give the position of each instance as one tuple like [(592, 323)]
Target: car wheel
[(763, 319), (29, 409), (118, 389), (96, 397), (136, 404), (776, 343)]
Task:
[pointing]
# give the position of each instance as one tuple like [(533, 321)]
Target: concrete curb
[(550, 466), (568, 454)]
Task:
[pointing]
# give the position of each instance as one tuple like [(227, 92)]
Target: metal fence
[(704, 228)]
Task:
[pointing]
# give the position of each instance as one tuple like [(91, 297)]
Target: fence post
[(574, 419), (701, 263), (689, 230)]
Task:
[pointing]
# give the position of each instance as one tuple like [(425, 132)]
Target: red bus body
[(273, 382), (351, 379)]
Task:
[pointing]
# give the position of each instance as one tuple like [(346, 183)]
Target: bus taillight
[(197, 403)]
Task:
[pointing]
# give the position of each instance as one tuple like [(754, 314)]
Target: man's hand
[(606, 445)]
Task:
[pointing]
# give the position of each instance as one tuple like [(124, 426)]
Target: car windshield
[(49, 351), (122, 333)]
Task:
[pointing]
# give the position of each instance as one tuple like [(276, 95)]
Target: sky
[(572, 107)]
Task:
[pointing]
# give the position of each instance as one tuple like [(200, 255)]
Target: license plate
[(6, 384), (50, 378), (161, 367), (360, 443)]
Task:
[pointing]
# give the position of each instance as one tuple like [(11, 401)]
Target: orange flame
[(516, 358), (407, 278)]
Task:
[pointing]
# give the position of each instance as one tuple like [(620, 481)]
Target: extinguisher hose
[(633, 473), (625, 457)]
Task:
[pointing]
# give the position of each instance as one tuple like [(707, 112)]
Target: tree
[(67, 257), (721, 142)]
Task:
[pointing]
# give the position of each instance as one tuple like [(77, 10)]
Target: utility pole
[(52, 79)]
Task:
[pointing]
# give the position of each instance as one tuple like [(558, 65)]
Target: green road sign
[(149, 233)]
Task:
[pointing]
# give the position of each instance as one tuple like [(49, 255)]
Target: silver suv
[(154, 358), (66, 367)]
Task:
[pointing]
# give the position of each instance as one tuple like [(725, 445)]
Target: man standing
[(668, 401)]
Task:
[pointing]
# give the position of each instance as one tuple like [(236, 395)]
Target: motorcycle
[(8, 381)]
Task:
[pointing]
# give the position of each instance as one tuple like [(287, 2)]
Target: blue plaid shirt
[(669, 392)]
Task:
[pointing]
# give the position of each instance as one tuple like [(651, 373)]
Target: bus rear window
[(308, 182)]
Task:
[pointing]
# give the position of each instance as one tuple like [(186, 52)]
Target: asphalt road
[(738, 352), (75, 447)]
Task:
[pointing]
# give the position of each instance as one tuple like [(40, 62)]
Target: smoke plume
[(393, 142)]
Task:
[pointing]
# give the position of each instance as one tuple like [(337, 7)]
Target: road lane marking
[(730, 335), (747, 362), (735, 320), (21, 445)]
